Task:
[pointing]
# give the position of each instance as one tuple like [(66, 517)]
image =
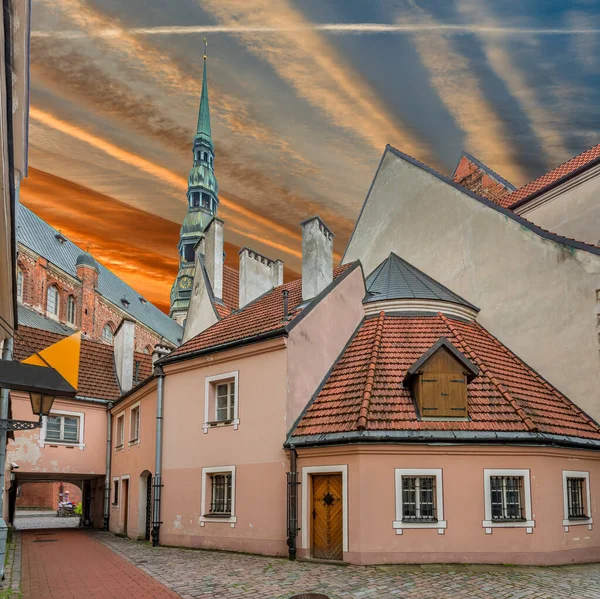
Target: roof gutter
[(554, 184), (441, 437)]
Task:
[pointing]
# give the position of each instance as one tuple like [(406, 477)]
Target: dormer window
[(125, 302), (438, 380)]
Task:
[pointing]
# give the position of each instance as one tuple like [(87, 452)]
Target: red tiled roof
[(222, 310), (145, 368), (480, 179), (97, 376), (263, 315), (551, 177), (365, 388), (231, 288)]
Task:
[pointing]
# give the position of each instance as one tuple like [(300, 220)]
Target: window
[(577, 499), (147, 350), (120, 431), (134, 432), (52, 300), (419, 499), (507, 499), (115, 491), (64, 429), (71, 309), (188, 252), (107, 334), (205, 156), (196, 199), (221, 401), (20, 285), (220, 494)]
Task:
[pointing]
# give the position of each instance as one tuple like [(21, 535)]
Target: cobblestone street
[(28, 520), (193, 573)]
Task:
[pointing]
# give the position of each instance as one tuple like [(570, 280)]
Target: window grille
[(506, 498), (221, 494), (575, 495), (71, 309), (225, 401), (52, 300), (418, 499), (62, 428)]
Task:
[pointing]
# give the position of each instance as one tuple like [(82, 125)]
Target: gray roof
[(43, 239), (30, 318), (395, 278)]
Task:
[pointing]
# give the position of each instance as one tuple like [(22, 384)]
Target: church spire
[(203, 130)]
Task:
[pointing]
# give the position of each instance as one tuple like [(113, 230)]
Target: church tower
[(203, 201)]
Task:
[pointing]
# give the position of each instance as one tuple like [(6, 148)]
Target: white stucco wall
[(536, 295), (201, 313), (572, 209)]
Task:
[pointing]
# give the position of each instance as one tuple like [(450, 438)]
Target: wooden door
[(327, 512)]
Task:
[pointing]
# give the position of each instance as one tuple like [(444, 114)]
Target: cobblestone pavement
[(24, 521), (211, 574), (72, 564)]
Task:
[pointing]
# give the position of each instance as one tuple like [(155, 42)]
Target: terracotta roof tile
[(480, 179), (506, 396), (97, 376), (231, 288), (551, 177), (263, 315)]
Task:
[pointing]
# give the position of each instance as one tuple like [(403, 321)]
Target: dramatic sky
[(305, 94)]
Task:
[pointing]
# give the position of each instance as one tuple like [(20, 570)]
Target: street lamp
[(41, 403)]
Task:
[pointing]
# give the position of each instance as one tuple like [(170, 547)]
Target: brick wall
[(46, 495)]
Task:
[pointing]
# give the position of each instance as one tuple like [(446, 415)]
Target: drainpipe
[(4, 403), (159, 373), (106, 506), (292, 511)]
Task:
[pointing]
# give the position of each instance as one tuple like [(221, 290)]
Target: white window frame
[(133, 407), (213, 381), (80, 443), (306, 502), (119, 446), (588, 496), (112, 334), (71, 302), (207, 490), (54, 315), (116, 505), (400, 524), (20, 281), (488, 523)]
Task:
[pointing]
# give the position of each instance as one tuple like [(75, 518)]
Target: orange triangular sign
[(63, 356)]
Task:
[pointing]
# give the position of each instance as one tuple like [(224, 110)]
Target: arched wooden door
[(327, 514)]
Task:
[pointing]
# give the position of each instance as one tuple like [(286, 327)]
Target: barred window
[(507, 498), (418, 499), (576, 498), (220, 494), (224, 401), (116, 492), (62, 428)]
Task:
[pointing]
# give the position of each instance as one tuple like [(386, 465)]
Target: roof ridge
[(504, 392), (512, 356), (365, 405)]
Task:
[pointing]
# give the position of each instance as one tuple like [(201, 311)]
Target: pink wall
[(371, 505), (134, 460), (255, 449)]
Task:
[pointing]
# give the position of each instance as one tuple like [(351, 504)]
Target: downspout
[(106, 506), (159, 373), (292, 511)]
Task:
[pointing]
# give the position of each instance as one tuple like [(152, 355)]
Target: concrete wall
[(537, 296), (371, 505), (133, 462), (318, 340), (572, 209), (201, 313), (255, 448)]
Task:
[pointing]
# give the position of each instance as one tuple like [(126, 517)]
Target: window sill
[(578, 522), (70, 444), (208, 518), (134, 442), (489, 524), (221, 423), (399, 525), (119, 447)]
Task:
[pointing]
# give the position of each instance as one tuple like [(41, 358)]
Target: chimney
[(317, 257), (213, 255), (258, 274), (159, 351), (123, 341)]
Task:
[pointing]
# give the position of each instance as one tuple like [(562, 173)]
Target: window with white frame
[(20, 285), (71, 311), (107, 334), (62, 428), (120, 431), (52, 301), (577, 498), (218, 495), (419, 499), (221, 400), (134, 430), (507, 499), (115, 491)]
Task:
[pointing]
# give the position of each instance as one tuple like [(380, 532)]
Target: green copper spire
[(203, 129)]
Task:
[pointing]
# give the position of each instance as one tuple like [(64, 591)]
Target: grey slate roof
[(395, 278), (30, 318), (41, 238)]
